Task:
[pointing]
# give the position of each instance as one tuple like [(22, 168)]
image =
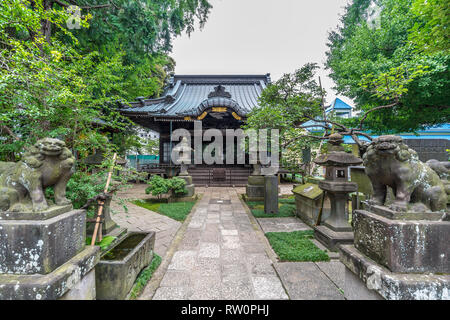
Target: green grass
[(286, 209), (296, 246), (176, 210), (144, 277)]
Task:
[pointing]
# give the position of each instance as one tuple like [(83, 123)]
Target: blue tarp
[(143, 159)]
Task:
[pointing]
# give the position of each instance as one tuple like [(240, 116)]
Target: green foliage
[(104, 244), (64, 83), (286, 208), (175, 210), (286, 104), (431, 33), (144, 277), (159, 186), (393, 61), (296, 246)]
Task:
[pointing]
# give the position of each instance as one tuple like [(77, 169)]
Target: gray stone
[(332, 239), (308, 200), (117, 271), (389, 285), (271, 194), (305, 281), (269, 287), (355, 289), (282, 225), (41, 246), (84, 290), (53, 285), (403, 246)]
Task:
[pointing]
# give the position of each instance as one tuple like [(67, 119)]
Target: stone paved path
[(141, 219), (220, 255)]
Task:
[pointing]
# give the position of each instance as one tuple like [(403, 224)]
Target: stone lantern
[(336, 229), (184, 152)]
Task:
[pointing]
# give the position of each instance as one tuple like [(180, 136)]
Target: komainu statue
[(390, 162), (22, 184)]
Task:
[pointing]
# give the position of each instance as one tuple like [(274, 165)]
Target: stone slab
[(51, 286), (51, 212), (83, 290), (332, 239), (282, 224), (393, 286), (403, 246), (305, 281), (41, 246), (399, 215)]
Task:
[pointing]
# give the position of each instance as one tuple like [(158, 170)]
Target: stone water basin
[(118, 269)]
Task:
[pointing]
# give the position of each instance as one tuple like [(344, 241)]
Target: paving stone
[(260, 264), (231, 242), (237, 291), (176, 279), (209, 250), (229, 232), (305, 281), (269, 287), (173, 293), (231, 255), (335, 270), (282, 225), (183, 260)]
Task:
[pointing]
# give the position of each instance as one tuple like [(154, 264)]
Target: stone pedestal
[(398, 256), (255, 188), (336, 230), (45, 259), (271, 194)]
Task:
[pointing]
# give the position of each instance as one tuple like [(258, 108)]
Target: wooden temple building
[(218, 101)]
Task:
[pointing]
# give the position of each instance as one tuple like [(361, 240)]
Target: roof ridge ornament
[(220, 92)]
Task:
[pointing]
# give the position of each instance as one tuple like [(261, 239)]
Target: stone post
[(271, 194)]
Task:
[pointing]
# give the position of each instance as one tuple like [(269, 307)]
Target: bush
[(159, 186)]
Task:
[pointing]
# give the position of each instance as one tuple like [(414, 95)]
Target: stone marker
[(255, 187), (271, 194), (308, 200)]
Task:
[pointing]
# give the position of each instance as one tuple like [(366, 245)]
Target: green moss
[(144, 277), (176, 210), (286, 208), (296, 246)]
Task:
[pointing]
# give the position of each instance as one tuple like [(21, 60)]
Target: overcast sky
[(259, 37)]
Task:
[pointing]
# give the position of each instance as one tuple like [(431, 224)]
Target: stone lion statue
[(390, 162), (22, 184)]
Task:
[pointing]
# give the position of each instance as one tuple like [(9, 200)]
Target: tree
[(285, 105), (410, 83), (61, 82)]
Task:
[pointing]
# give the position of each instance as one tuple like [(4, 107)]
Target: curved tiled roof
[(191, 95)]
